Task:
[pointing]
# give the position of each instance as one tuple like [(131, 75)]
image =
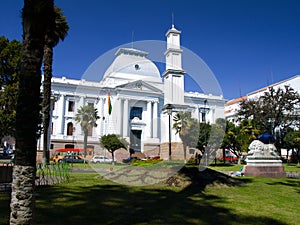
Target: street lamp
[(204, 110), (169, 108)]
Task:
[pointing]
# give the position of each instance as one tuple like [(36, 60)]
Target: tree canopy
[(188, 129), (273, 112), (292, 141), (275, 108), (113, 142), (10, 59), (87, 117)]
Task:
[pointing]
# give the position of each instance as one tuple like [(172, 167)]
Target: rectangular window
[(136, 112), (71, 106)]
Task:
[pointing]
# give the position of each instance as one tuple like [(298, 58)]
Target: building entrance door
[(135, 140)]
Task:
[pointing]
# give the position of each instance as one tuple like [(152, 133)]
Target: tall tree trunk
[(48, 58), (37, 16), (85, 142), (184, 153), (113, 157)]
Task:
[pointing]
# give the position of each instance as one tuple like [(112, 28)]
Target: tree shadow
[(291, 182), (208, 177), (119, 204)]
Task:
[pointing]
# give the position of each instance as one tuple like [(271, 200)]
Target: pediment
[(139, 85)]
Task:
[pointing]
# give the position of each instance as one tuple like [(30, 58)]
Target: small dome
[(131, 65)]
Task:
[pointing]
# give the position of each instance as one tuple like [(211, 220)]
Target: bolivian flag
[(109, 103)]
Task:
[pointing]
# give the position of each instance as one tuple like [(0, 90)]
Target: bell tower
[(174, 75)]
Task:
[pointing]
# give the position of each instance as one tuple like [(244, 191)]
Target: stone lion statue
[(270, 149), (258, 148)]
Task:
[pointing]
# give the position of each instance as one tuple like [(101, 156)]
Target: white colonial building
[(140, 97)]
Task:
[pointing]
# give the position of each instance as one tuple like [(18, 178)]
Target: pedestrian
[(198, 158)]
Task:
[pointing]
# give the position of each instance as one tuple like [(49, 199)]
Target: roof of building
[(272, 85), (130, 65), (233, 101)]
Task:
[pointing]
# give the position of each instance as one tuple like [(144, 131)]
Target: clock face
[(137, 66)]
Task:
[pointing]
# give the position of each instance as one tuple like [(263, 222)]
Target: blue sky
[(248, 44)]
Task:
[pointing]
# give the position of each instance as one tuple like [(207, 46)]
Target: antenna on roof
[(240, 89), (267, 76), (270, 76), (132, 36)]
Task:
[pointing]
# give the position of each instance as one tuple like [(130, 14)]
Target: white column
[(81, 102), (125, 119), (155, 120), (149, 120), (105, 116), (119, 117), (100, 110), (62, 106)]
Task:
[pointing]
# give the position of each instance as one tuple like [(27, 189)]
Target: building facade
[(140, 99)]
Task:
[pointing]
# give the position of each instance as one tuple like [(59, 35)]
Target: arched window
[(70, 129)]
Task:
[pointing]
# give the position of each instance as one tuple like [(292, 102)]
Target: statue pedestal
[(265, 167), (263, 161)]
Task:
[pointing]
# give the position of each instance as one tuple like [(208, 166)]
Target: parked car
[(100, 159), (230, 158), (130, 159), (154, 157), (73, 159)]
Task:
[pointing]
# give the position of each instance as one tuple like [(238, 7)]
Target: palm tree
[(87, 116), (188, 129), (52, 38), (37, 17)]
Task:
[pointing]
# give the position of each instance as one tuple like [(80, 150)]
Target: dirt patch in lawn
[(192, 177)]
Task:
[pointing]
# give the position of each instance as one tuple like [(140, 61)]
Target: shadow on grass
[(118, 204), (227, 164), (108, 203), (291, 182)]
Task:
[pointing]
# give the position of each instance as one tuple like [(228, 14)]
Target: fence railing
[(48, 174), (6, 170), (52, 174)]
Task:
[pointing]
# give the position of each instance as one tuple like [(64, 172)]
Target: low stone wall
[(152, 149), (176, 151)]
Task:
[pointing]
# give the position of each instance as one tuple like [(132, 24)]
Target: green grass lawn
[(217, 199), (288, 167)]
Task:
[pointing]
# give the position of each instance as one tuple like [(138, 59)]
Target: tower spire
[(172, 20)]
